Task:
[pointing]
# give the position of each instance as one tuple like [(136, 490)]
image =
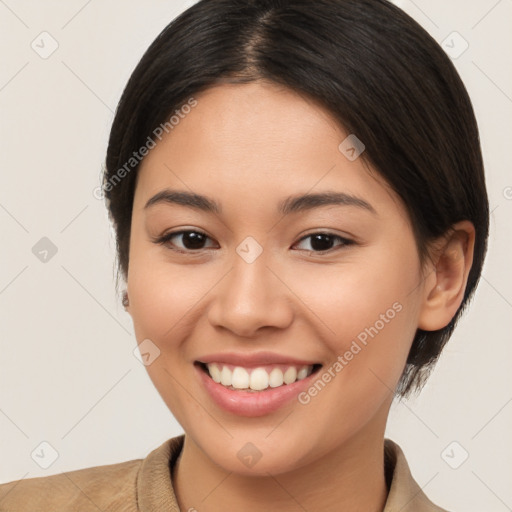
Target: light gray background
[(68, 375)]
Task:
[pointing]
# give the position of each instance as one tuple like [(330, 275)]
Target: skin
[(249, 147)]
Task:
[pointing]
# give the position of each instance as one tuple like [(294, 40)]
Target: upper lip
[(253, 359)]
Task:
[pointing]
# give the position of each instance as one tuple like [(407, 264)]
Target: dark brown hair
[(372, 66)]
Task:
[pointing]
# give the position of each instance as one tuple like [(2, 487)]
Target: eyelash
[(165, 239)]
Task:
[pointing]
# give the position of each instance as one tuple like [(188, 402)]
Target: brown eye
[(190, 240), (321, 242)]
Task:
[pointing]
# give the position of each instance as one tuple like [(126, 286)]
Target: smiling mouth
[(258, 378)]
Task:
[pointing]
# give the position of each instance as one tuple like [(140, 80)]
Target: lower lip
[(251, 404)]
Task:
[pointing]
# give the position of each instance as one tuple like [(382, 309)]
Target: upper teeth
[(256, 379)]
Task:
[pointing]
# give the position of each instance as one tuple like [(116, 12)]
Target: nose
[(251, 297)]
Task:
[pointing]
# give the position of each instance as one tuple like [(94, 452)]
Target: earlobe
[(446, 283), (126, 302)]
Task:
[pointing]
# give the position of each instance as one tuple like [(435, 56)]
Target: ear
[(446, 282)]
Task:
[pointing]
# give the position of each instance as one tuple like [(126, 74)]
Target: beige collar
[(155, 491)]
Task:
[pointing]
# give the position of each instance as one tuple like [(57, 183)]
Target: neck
[(351, 477)]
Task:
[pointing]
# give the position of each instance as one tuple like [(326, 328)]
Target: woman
[(301, 217)]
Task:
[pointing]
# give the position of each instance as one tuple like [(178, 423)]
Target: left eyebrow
[(304, 202), (292, 204)]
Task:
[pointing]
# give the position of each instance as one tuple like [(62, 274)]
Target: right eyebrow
[(184, 198)]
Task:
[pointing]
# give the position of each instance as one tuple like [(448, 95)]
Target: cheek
[(363, 294), (373, 332), (367, 314), (163, 296), (164, 300)]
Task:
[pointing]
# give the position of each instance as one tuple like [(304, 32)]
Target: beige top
[(145, 485)]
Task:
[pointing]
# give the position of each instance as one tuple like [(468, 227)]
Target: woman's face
[(335, 284)]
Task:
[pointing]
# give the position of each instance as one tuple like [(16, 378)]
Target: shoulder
[(131, 486), (405, 495), (111, 487)]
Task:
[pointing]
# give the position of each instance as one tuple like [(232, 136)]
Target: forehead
[(246, 143)]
